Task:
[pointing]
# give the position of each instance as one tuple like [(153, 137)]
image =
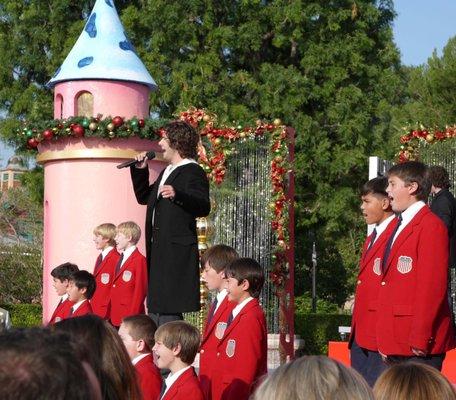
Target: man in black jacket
[(178, 196), (444, 206)]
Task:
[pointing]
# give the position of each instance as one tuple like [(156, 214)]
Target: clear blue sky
[(420, 27)]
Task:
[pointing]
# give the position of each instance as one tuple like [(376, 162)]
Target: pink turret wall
[(126, 99)]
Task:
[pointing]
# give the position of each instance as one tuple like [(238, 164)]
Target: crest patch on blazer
[(377, 266), (404, 264), (105, 278), (231, 348), (126, 276), (220, 329)]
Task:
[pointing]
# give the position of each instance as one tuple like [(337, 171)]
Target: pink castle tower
[(101, 75)]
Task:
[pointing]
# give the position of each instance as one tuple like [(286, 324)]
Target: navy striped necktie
[(390, 243)]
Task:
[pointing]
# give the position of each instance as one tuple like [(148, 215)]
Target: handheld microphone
[(150, 155)]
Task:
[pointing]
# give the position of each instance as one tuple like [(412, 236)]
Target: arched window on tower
[(59, 106), (84, 104)]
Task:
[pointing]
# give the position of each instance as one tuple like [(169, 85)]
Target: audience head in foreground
[(412, 380), (99, 344), (314, 378), (39, 364)]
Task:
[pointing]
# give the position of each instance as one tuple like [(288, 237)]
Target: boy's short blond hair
[(180, 333), (106, 231), (130, 229)]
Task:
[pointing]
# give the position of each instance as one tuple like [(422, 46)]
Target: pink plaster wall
[(126, 99), (81, 194)]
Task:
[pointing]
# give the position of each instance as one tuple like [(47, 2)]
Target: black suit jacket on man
[(171, 243), (444, 206)]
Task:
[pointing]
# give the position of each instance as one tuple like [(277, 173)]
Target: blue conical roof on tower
[(103, 51)]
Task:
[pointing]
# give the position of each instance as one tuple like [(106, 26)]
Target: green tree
[(430, 91), (327, 68)]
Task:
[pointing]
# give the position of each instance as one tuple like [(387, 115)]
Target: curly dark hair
[(183, 138), (439, 177)]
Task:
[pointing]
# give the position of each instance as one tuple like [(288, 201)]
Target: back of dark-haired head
[(84, 279), (439, 177), (413, 171), (141, 327), (247, 269), (180, 333), (183, 138), (99, 344), (64, 271), (219, 256), (376, 186), (38, 364)]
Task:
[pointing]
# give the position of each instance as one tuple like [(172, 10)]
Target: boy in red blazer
[(176, 345), (80, 290), (60, 276), (242, 352), (129, 286), (413, 317), (214, 261), (137, 334), (376, 210), (105, 265)]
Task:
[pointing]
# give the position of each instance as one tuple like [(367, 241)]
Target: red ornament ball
[(48, 134), (142, 123), (78, 130), (117, 121), (33, 143)]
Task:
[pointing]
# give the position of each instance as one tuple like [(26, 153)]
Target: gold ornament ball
[(111, 134), (93, 126), (39, 137), (110, 127), (429, 138), (272, 206), (206, 118), (281, 243), (277, 122), (217, 141), (242, 135)]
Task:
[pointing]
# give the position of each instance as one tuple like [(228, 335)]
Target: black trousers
[(368, 363), (161, 319)]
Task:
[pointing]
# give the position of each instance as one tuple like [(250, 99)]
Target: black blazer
[(171, 242), (444, 206)]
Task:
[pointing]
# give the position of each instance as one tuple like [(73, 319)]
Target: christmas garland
[(216, 145), (411, 141)]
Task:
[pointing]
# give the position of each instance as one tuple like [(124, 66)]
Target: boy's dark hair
[(84, 279), (183, 138), (141, 327), (375, 186), (180, 333), (413, 171), (247, 269), (64, 271), (219, 256), (439, 177)]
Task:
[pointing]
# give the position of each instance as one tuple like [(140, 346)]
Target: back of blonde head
[(415, 381), (314, 378)]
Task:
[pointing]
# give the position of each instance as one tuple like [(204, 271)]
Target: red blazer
[(84, 309), (241, 355), (185, 388), (129, 288), (61, 311), (104, 276), (149, 378), (413, 308), (368, 284), (213, 332)]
